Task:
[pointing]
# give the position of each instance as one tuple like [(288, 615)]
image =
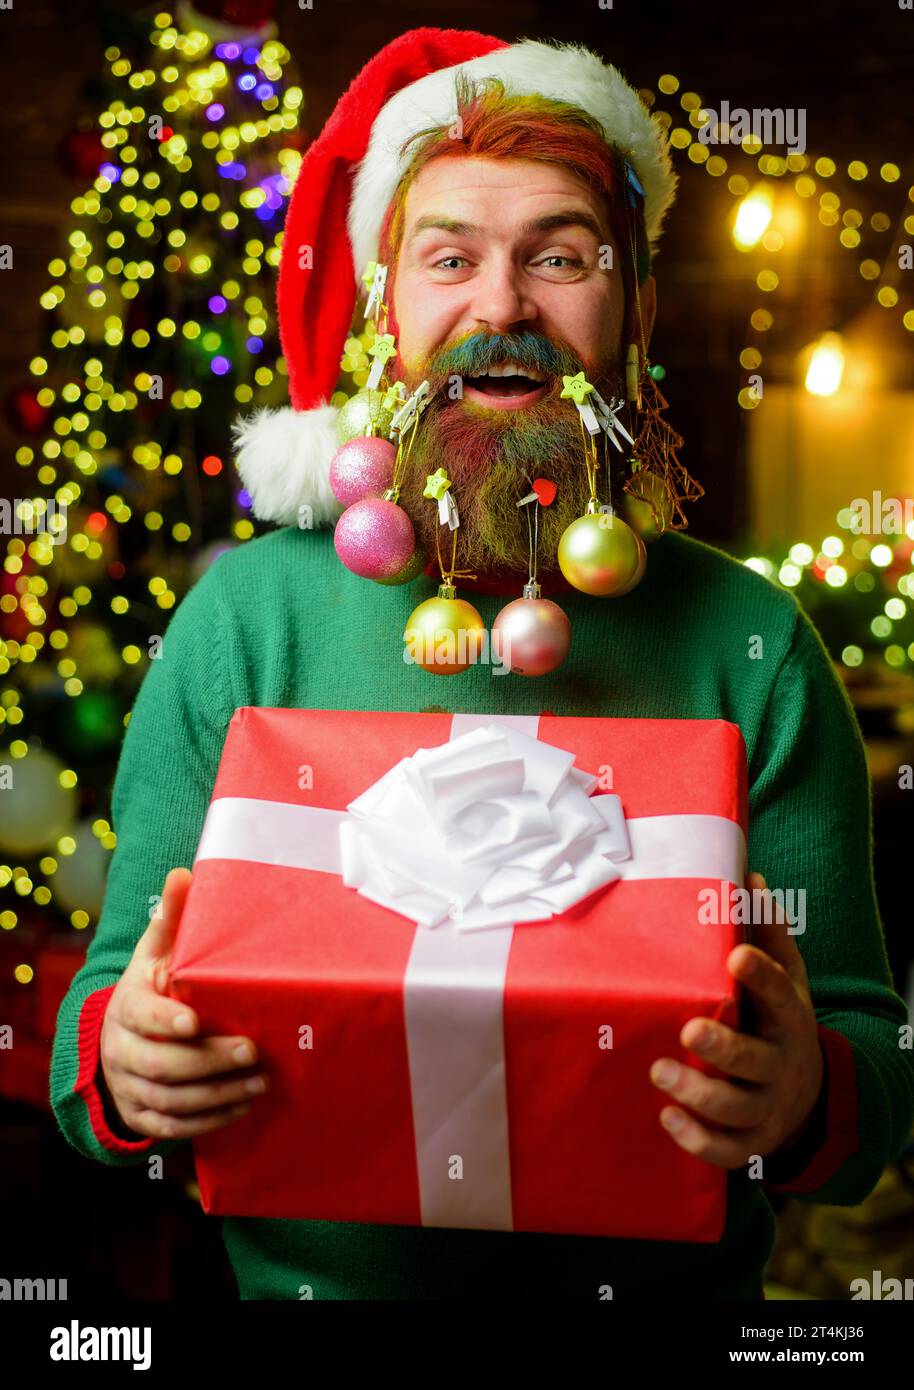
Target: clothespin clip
[(544, 491), (375, 279), (436, 487), (412, 406), (609, 421), (382, 350), (577, 389)]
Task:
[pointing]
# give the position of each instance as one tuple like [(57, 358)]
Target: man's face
[(505, 263), (505, 245)]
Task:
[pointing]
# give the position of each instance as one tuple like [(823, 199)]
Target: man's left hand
[(776, 1073)]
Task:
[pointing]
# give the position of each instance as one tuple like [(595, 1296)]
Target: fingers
[(172, 1062), (142, 1010), (772, 989), (720, 1149), (190, 1098), (150, 1122), (741, 1107), (738, 1054), (158, 938), (773, 936)]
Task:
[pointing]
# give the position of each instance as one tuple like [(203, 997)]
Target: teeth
[(512, 369)]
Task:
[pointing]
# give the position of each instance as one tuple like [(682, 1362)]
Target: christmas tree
[(160, 330)]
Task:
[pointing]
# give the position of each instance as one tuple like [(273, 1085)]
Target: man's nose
[(502, 298)]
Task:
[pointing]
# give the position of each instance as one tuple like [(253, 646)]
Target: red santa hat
[(346, 182)]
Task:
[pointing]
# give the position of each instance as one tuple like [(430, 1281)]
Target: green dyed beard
[(492, 457)]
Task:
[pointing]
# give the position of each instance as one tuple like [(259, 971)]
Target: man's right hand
[(161, 1084)]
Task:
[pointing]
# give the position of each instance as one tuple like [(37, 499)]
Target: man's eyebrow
[(549, 222), (435, 221), (568, 217)]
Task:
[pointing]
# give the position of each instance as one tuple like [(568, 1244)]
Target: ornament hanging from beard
[(493, 453)]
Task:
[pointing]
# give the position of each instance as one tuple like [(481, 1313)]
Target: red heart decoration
[(545, 491)]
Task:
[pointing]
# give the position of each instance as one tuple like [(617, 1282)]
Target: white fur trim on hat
[(284, 461), (567, 72)]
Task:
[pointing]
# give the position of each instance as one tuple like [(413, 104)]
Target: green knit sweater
[(280, 622)]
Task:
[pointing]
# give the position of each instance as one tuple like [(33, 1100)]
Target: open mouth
[(506, 383)]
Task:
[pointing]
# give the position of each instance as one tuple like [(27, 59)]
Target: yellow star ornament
[(575, 388), (385, 347), (436, 485)]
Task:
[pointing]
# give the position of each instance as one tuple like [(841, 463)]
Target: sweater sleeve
[(810, 830), (164, 780)]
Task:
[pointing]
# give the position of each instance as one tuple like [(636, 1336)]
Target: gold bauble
[(638, 510), (355, 417), (601, 555), (639, 568), (444, 635)]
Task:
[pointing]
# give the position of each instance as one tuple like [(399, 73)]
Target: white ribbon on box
[(455, 978)]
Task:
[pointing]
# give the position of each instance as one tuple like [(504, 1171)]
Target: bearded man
[(515, 210)]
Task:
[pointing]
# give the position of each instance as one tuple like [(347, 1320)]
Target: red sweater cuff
[(91, 1018), (842, 1138)]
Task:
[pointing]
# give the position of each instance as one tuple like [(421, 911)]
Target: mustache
[(476, 352)]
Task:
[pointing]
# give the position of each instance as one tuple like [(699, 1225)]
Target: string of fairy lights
[(772, 202), (770, 205)]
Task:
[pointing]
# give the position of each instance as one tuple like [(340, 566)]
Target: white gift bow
[(491, 829)]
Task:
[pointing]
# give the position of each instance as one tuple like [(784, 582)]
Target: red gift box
[(516, 1098)]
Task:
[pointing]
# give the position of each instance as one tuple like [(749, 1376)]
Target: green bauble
[(355, 417), (410, 571), (91, 723)]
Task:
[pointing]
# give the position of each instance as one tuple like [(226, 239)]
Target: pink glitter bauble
[(374, 538), (362, 467)]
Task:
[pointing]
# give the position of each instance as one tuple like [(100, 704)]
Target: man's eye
[(571, 261), (444, 260)]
